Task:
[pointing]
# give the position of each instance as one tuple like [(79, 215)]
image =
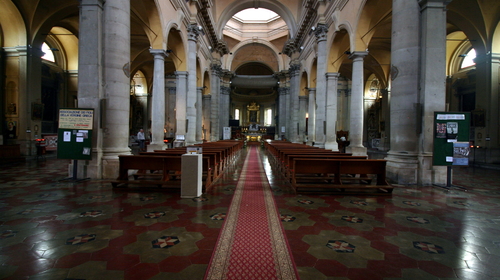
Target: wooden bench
[(162, 165), (340, 176)]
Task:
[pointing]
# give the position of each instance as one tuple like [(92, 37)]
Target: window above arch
[(48, 53), (468, 59)]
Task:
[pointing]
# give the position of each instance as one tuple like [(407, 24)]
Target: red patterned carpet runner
[(251, 244)]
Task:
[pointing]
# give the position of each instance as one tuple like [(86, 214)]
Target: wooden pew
[(213, 163), (289, 160), (209, 176), (340, 176)]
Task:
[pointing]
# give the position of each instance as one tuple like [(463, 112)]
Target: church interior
[(369, 78)]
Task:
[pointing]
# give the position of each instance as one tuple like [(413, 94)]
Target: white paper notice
[(449, 159), (79, 139), (67, 136)]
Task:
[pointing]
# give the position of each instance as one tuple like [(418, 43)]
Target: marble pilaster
[(199, 114), (282, 111), (180, 102), (303, 100), (311, 126), (294, 102), (224, 102), (433, 84), (215, 76), (170, 121), (90, 79), (207, 107)]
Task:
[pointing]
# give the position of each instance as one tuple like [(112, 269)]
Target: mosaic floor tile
[(414, 234)]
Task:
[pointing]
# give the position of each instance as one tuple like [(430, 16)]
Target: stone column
[(180, 102), (117, 84), (193, 33), (311, 126), (294, 102), (356, 109), (199, 114), (215, 76), (158, 103), (331, 111), (402, 158), (432, 83), (321, 32), (90, 78)]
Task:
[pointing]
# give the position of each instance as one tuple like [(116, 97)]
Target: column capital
[(225, 90), (358, 55), (194, 31), (158, 53), (98, 3), (216, 69), (294, 69), (283, 90), (332, 75), (433, 3), (320, 31), (180, 73)]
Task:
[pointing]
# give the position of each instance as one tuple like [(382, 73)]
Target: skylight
[(252, 14)]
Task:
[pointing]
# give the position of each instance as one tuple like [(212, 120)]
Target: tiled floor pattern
[(86, 230)]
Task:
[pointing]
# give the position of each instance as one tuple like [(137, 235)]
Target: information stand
[(75, 136), (451, 142)]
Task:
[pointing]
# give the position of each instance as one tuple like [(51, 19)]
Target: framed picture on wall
[(36, 111), (478, 118)]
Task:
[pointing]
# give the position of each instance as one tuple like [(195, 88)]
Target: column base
[(334, 146), (402, 168), (319, 144), (156, 146), (356, 151), (429, 174), (110, 162)]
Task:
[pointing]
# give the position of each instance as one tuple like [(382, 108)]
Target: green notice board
[(74, 137), (451, 138)]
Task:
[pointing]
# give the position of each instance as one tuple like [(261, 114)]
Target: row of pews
[(313, 169), (163, 168)]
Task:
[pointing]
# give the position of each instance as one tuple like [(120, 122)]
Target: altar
[(253, 133)]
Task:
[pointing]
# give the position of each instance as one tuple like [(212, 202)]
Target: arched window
[(468, 60), (268, 117), (236, 114), (138, 85), (49, 55)]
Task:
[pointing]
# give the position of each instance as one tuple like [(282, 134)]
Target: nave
[(52, 229)]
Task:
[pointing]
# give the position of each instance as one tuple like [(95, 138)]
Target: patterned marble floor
[(53, 229)]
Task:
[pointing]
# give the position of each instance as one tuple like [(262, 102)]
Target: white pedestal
[(192, 169)]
